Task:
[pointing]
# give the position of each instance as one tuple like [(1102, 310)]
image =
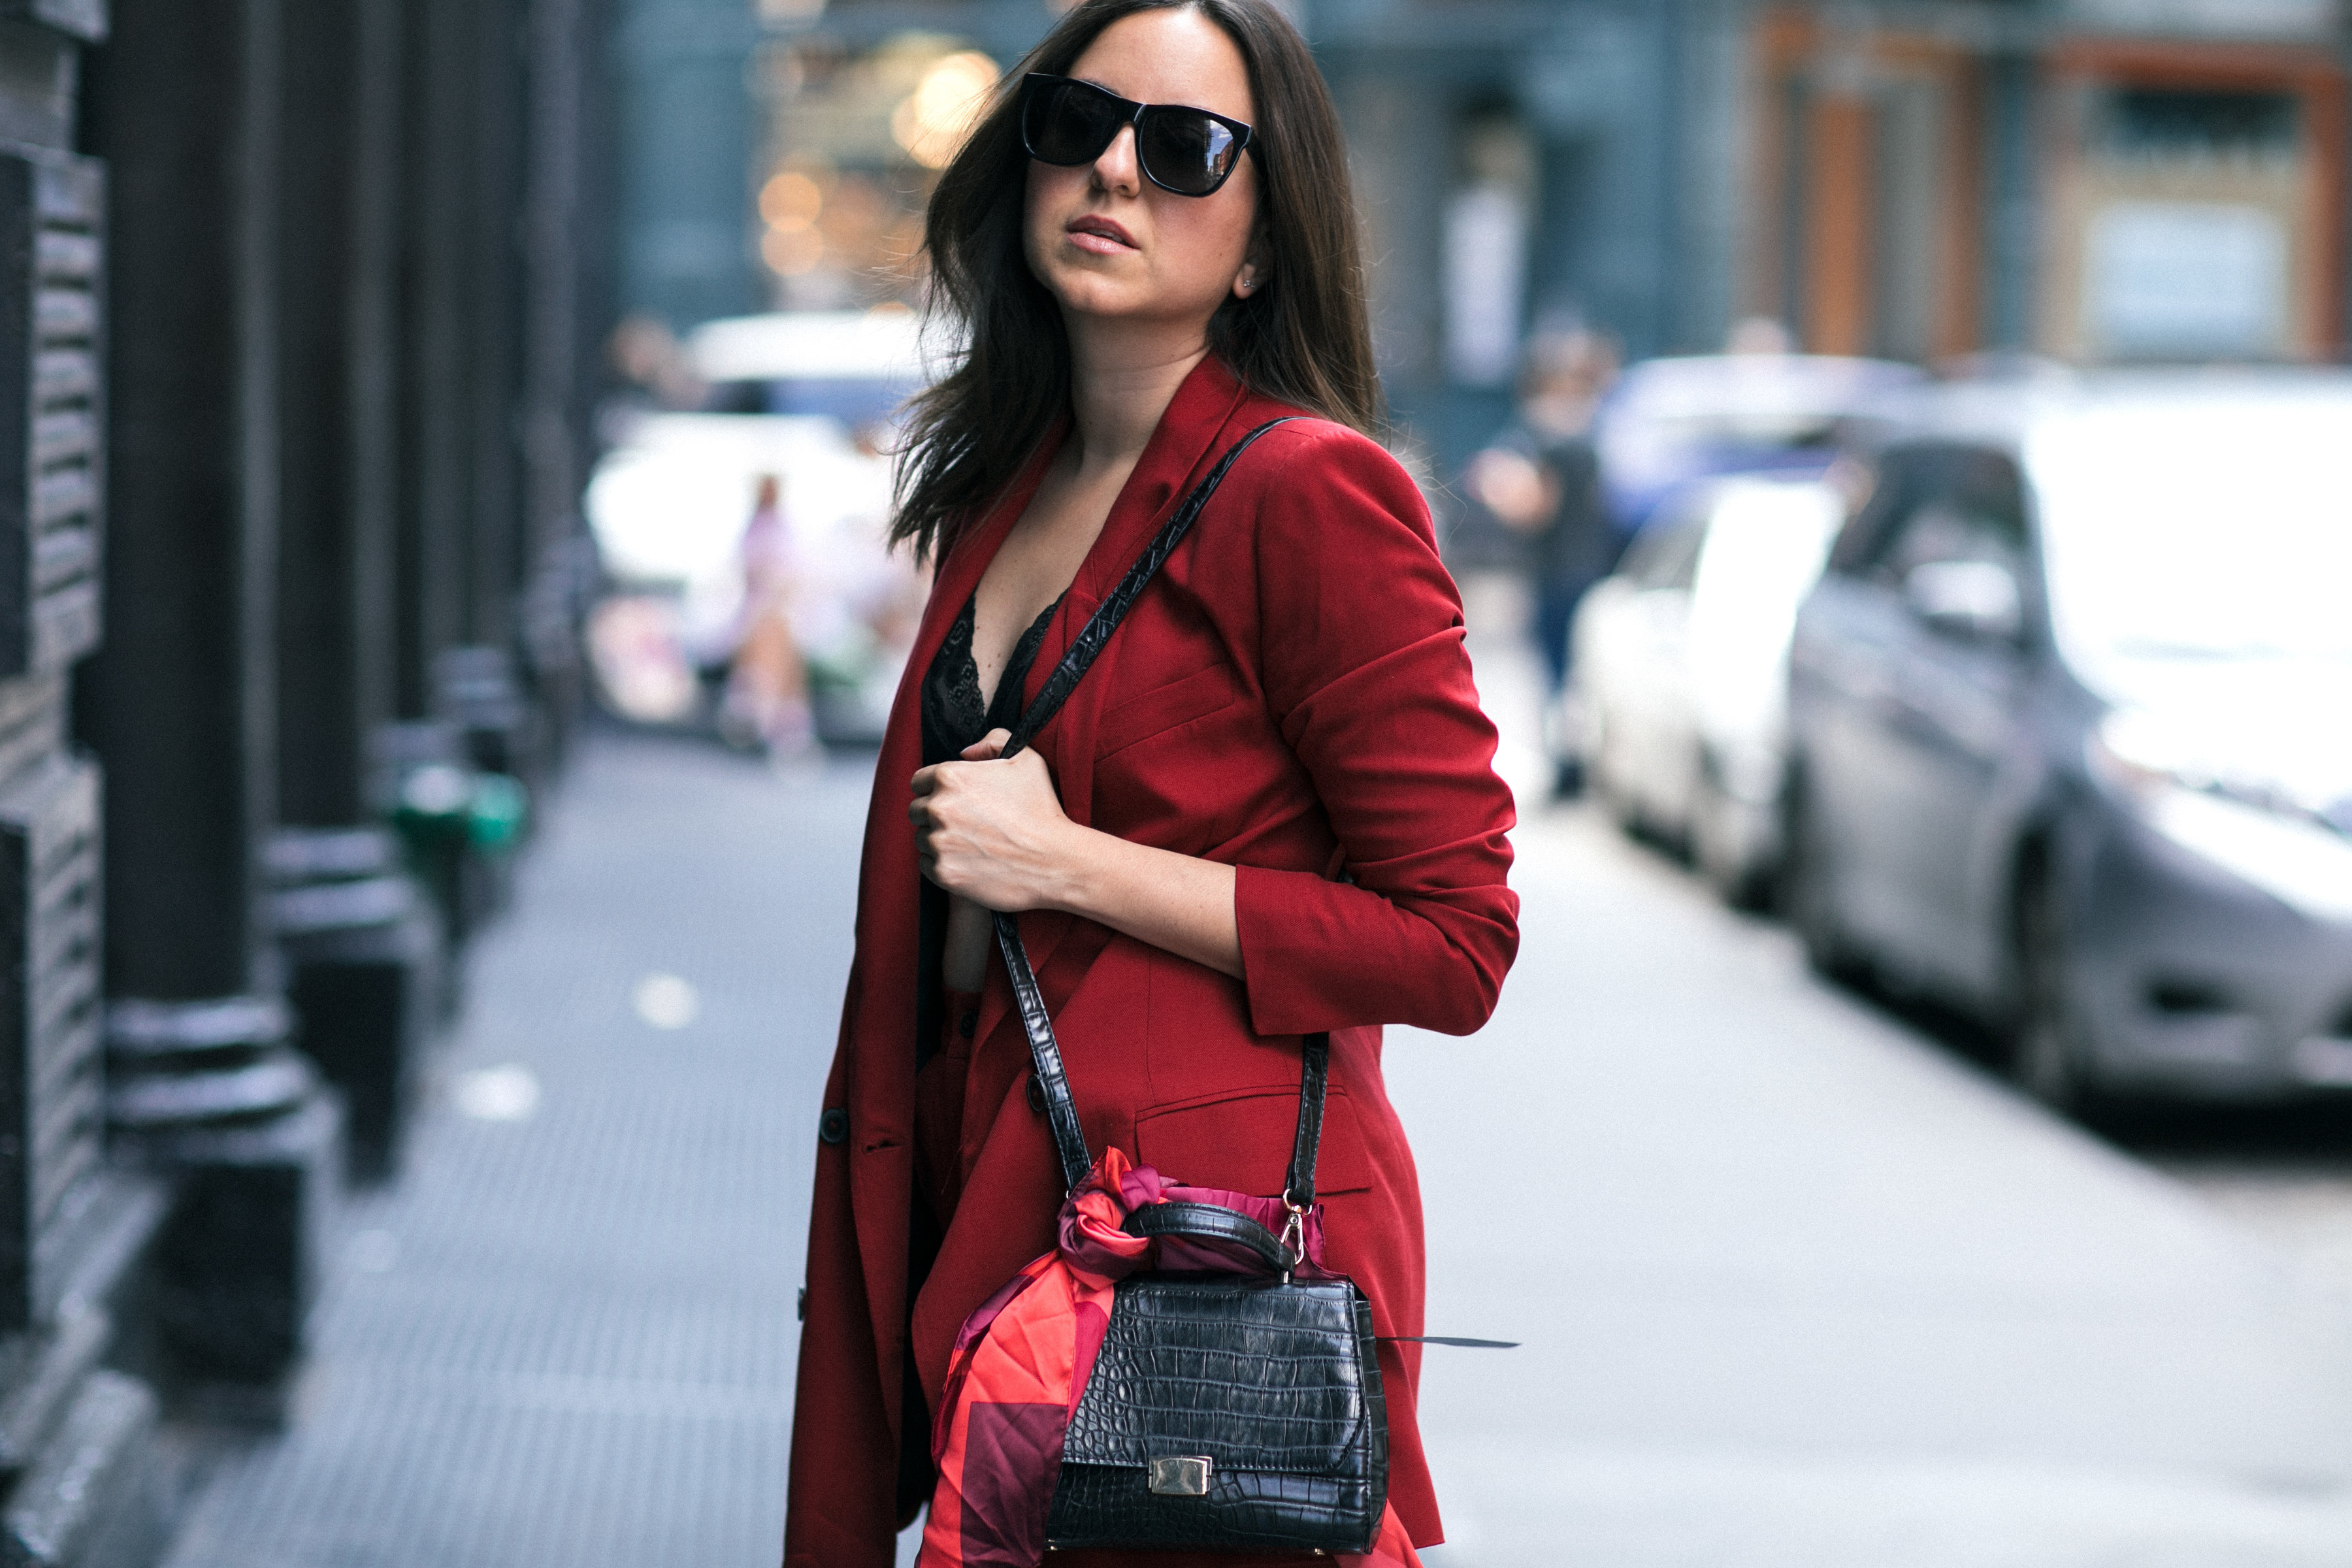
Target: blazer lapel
[(1180, 450), (1179, 453), (879, 1081)]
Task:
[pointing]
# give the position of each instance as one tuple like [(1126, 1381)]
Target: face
[(1102, 238)]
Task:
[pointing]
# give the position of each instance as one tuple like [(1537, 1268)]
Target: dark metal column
[(182, 707), (495, 233), (479, 685), (333, 331), (360, 947), (436, 399), (421, 756), (563, 243)]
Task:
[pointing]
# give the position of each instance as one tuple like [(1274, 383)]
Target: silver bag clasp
[(1183, 1476)]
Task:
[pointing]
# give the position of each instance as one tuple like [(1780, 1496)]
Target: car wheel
[(1736, 877), (2049, 1059), (1606, 782), (1812, 900)]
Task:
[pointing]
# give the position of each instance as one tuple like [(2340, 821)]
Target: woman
[(1267, 811)]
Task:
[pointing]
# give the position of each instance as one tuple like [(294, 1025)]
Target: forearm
[(1175, 902)]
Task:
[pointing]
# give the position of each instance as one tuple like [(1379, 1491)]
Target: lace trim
[(959, 691)]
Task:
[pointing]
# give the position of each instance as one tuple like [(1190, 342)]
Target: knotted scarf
[(1022, 1359)]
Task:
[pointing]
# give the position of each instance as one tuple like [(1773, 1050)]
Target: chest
[(1040, 558)]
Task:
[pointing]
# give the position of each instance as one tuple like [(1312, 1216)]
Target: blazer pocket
[(1241, 1141), (1162, 708)]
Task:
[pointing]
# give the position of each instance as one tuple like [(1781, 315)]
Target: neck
[(1123, 375)]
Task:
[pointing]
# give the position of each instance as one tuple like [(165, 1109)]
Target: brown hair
[(1303, 339)]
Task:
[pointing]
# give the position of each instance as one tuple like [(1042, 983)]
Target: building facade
[(299, 309), (681, 72), (2092, 180), (2096, 182)]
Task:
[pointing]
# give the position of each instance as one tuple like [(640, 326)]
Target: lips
[(1099, 235)]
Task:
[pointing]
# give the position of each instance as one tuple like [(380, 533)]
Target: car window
[(2202, 527), (1946, 528), (1936, 504), (1666, 556)]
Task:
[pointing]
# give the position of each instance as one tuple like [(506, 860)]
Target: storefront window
[(855, 141), (2190, 218), (1486, 227)]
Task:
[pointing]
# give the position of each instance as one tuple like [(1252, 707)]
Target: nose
[(1118, 169)]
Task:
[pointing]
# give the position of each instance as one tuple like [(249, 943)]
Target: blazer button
[(969, 1024), (833, 1127), (1036, 1095)]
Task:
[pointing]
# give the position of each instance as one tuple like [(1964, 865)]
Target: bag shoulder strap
[(1044, 1050), (1107, 618)]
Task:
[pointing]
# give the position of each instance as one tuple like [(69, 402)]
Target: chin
[(1089, 293)]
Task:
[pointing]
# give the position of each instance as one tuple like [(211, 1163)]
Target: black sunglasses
[(1189, 151)]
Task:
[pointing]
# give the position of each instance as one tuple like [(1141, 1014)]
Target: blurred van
[(808, 399), (1670, 425)]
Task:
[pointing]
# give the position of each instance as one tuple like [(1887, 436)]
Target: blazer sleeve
[(1362, 663)]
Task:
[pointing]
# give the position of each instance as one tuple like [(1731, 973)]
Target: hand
[(1518, 491), (993, 832)]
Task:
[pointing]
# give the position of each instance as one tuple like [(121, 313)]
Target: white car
[(795, 397), (1680, 671)]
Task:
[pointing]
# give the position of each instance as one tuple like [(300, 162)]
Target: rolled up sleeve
[(1364, 664)]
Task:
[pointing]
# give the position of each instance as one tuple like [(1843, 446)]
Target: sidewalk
[(565, 1340)]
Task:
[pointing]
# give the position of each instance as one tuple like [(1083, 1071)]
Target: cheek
[(1220, 226), (1047, 198), (1051, 192), (1207, 240)]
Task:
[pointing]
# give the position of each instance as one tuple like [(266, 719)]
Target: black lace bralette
[(953, 715)]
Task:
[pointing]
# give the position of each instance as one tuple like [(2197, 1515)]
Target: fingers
[(989, 747)]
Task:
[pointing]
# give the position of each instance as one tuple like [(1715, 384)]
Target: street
[(1798, 1284), (1799, 1287), (1801, 1284)]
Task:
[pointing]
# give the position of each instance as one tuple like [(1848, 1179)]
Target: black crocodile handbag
[(1228, 1411), (1237, 1411)]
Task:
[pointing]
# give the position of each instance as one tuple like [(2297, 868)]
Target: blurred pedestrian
[(1541, 478), (1758, 335), (653, 367), (1269, 817), (767, 702)]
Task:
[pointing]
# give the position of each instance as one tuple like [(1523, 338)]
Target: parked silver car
[(2072, 721)]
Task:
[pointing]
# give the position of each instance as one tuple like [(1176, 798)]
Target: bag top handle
[(1036, 1022)]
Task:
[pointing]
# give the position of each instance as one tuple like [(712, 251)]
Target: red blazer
[(1290, 696)]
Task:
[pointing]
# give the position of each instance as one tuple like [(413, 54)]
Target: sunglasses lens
[(1065, 122), (1185, 149)]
